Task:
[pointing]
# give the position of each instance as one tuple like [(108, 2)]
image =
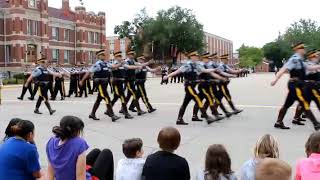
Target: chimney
[(65, 5)]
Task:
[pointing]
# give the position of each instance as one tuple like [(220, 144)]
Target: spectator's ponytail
[(23, 128), (9, 132), (70, 127)]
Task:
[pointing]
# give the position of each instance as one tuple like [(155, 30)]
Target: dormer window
[(32, 3)]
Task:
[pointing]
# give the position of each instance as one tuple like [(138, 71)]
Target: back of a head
[(9, 131), (70, 127), (217, 162), (23, 128), (314, 143), (169, 139), (130, 147), (273, 169), (266, 147)]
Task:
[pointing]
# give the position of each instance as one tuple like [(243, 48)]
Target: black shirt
[(164, 165)]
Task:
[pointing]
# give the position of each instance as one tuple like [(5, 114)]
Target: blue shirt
[(295, 62), (190, 66), (18, 160), (97, 67)]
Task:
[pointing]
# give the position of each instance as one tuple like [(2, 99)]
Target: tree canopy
[(250, 56), (175, 28)]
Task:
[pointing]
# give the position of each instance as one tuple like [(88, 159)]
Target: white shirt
[(130, 169)]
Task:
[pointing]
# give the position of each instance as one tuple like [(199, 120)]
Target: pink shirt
[(309, 168)]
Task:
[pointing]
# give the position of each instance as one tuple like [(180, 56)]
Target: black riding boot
[(279, 124), (49, 107), (94, 110)]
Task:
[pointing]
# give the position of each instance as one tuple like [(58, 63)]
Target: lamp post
[(3, 12)]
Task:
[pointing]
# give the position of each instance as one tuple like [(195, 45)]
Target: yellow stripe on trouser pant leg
[(225, 93), (102, 94), (117, 92), (130, 89), (214, 97), (208, 96), (143, 97), (301, 98), (316, 94), (199, 102)]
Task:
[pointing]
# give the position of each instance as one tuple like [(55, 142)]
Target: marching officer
[(312, 86), (141, 78), (74, 78), (164, 72), (58, 85), (191, 70), (101, 71), (83, 89), (297, 69), (174, 79), (118, 81), (206, 91), (223, 86), (42, 76), (26, 74), (131, 78)]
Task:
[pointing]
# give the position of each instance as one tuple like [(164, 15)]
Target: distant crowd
[(68, 158)]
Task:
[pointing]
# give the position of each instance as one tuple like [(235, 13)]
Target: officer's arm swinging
[(172, 74), (153, 70), (279, 74), (84, 78)]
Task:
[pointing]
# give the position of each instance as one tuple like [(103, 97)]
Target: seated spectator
[(164, 164), (66, 151), (309, 168), (9, 130), (100, 164), (217, 165), (19, 158), (266, 147), (273, 169), (67, 154), (131, 167)]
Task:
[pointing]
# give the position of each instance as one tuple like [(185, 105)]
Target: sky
[(249, 22)]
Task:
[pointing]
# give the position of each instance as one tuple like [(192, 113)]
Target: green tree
[(276, 51), (173, 28), (250, 56)]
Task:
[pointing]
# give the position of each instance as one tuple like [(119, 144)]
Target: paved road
[(239, 133)]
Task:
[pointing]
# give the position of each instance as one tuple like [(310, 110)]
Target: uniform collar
[(297, 54)]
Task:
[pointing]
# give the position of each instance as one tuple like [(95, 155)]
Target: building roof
[(219, 37), (4, 4), (60, 14)]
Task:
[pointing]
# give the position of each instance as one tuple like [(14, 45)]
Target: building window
[(66, 57), (8, 53), (91, 37), (67, 35), (122, 44), (55, 33), (32, 27), (111, 45), (55, 54), (96, 37), (91, 57), (32, 3)]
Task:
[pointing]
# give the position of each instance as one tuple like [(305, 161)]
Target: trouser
[(142, 93), (83, 89), (101, 162), (164, 81), (313, 94), (43, 96), (50, 88), (35, 90), (191, 94), (119, 94), (102, 95), (173, 79), (88, 83), (58, 87), (94, 87), (225, 93), (206, 92), (73, 87), (24, 90), (296, 93), (130, 85)]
